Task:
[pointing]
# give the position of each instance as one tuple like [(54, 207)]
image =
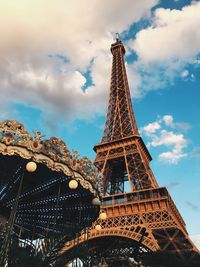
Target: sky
[(55, 65)]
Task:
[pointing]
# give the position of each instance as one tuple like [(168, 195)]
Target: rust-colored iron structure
[(146, 218)]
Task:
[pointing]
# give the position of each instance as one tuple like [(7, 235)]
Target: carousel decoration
[(45, 191)]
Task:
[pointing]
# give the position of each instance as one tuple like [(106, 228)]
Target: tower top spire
[(118, 43)]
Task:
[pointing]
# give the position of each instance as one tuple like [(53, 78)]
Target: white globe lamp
[(73, 184), (96, 201), (31, 166), (98, 227), (102, 216)]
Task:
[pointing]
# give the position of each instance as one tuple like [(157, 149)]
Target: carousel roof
[(54, 199)]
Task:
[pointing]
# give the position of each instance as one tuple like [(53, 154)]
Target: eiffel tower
[(146, 218)]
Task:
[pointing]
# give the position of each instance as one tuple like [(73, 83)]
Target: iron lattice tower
[(122, 155), (146, 218)]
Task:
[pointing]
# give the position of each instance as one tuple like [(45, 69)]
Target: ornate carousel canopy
[(49, 190)]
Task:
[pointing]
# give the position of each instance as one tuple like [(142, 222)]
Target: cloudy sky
[(55, 67)]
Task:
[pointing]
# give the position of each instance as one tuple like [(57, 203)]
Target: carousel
[(46, 192)]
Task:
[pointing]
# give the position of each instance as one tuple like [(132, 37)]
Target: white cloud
[(168, 119), (172, 156), (171, 35), (169, 138), (184, 73), (151, 127), (187, 76), (173, 142), (47, 46), (164, 48)]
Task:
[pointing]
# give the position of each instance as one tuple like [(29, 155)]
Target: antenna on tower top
[(117, 36)]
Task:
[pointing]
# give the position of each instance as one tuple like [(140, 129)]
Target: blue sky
[(55, 67)]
